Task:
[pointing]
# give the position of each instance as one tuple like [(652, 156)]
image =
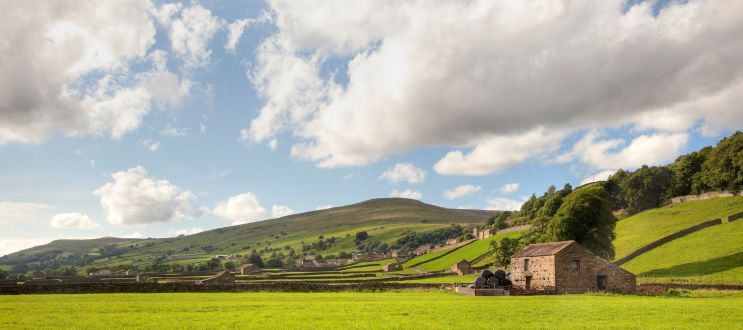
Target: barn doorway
[(601, 282), (528, 282)]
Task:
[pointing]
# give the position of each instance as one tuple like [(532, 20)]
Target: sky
[(154, 119)]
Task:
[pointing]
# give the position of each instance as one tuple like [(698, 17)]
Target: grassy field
[(469, 252), (452, 279), (645, 227), (711, 255), (389, 310)]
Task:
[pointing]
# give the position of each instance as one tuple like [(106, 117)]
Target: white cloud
[(504, 70), (151, 145), (191, 30), (135, 198), (73, 220), (187, 231), (245, 208), (23, 213), (404, 172), (509, 187), (236, 28), (134, 235), (600, 176), (408, 193), (323, 207), (66, 68), (173, 131), (8, 246), (504, 204), (273, 144), (652, 149), (499, 152), (279, 211), (461, 191)]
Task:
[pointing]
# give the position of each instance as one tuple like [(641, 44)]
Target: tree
[(360, 236), (256, 260), (686, 172), (3, 274), (503, 250), (646, 188), (274, 263), (229, 265), (213, 263), (585, 217), (723, 166)]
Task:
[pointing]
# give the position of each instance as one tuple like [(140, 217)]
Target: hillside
[(711, 255), (385, 220), (648, 226), (468, 252)]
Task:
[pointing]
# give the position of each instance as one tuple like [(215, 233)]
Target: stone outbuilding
[(249, 269), (462, 268), (142, 278), (567, 267), (223, 277), (395, 266), (38, 275), (482, 233)]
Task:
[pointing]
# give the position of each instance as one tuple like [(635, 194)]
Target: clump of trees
[(411, 239)]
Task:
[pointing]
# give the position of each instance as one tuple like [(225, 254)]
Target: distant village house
[(395, 266), (482, 233), (223, 277)]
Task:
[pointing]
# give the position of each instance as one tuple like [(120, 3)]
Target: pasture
[(398, 310)]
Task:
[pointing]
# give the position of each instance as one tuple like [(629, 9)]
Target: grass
[(445, 279), (469, 253), (711, 255), (347, 310), (645, 227), (367, 266)]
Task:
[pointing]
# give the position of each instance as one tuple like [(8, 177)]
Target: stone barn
[(395, 266), (248, 269), (462, 268), (567, 267), (38, 275), (142, 278), (223, 277)]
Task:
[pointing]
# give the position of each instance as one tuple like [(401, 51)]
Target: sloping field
[(353, 310), (648, 226), (711, 255), (469, 252)]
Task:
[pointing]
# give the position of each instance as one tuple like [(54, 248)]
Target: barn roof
[(542, 249)]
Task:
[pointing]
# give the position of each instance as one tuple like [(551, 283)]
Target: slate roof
[(542, 249)]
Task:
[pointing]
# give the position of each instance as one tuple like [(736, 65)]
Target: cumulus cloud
[(600, 176), (509, 187), (68, 68), (8, 246), (404, 172), (323, 207), (23, 213), (245, 208), (151, 145), (504, 70), (135, 198), (190, 30), (504, 204), (73, 220), (616, 153), (236, 28), (461, 191), (408, 193)]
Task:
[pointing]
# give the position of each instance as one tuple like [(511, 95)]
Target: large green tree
[(723, 167), (585, 217)]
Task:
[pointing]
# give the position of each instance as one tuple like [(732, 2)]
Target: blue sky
[(155, 119)]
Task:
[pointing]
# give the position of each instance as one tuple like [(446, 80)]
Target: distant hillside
[(385, 220)]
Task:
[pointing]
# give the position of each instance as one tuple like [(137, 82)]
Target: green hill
[(384, 219), (468, 252), (711, 255), (645, 227)]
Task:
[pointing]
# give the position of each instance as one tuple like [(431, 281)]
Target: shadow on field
[(706, 267)]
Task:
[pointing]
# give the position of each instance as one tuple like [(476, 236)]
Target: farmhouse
[(368, 256), (462, 268), (223, 277), (482, 233), (103, 272), (567, 267), (248, 269), (395, 266), (452, 241), (423, 249), (398, 254)]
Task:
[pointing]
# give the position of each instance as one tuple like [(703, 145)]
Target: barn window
[(526, 264), (575, 263)]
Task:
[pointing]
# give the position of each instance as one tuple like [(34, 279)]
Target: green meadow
[(352, 310)]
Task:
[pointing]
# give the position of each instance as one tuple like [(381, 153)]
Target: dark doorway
[(601, 282), (528, 282)]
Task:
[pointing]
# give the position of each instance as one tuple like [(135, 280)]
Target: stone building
[(142, 278), (452, 241), (248, 269), (223, 277), (482, 233), (395, 266), (567, 267), (38, 275), (462, 268)]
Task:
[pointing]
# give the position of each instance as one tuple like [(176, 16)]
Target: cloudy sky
[(150, 119)]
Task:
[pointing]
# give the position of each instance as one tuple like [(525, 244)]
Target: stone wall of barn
[(541, 269), (584, 278)]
